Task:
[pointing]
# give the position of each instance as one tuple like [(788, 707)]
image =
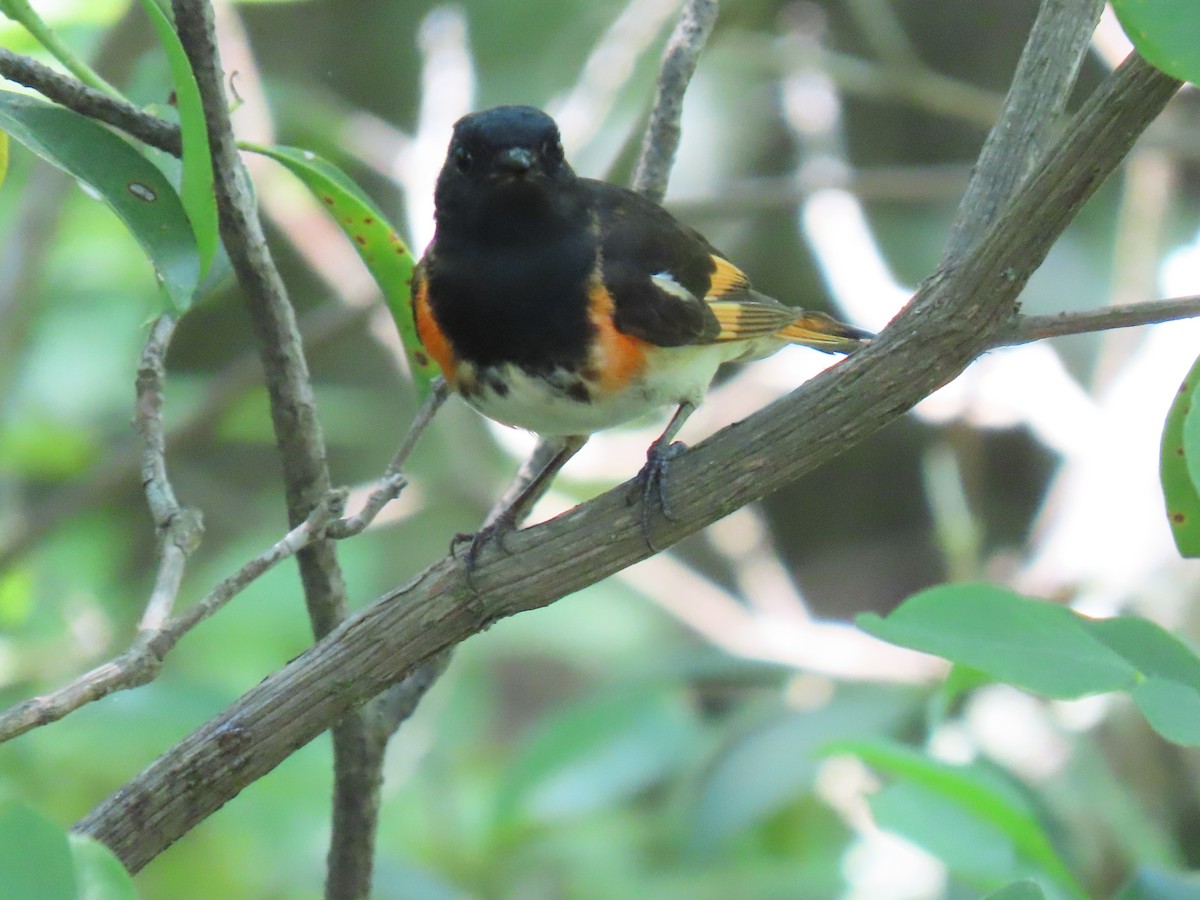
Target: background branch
[(300, 440), (953, 319), (1126, 315), (1030, 115), (679, 60)]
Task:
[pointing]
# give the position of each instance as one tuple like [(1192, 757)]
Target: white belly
[(565, 404)]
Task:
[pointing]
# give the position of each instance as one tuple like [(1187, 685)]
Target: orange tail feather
[(822, 332)]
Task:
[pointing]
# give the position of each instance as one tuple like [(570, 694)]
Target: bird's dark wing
[(669, 286)]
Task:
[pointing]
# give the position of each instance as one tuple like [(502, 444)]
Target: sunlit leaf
[(16, 596), (35, 858), (1164, 31), (99, 873), (1036, 645), (196, 188), (137, 191), (1179, 453), (386, 256), (977, 791), (3, 156)]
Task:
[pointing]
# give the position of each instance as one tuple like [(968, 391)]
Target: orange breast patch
[(618, 358), (428, 331)]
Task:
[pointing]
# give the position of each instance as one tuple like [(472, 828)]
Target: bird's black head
[(506, 142), (508, 158)]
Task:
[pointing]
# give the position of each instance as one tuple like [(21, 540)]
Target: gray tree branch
[(1031, 113), (300, 440), (679, 60)]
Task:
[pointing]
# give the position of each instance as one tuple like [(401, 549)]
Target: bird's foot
[(651, 485), (496, 531)]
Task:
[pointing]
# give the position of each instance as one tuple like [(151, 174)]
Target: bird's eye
[(552, 151), (462, 158)]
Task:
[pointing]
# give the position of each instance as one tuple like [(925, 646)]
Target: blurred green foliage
[(601, 747)]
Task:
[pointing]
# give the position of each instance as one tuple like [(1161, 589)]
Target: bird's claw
[(651, 485), (496, 531)]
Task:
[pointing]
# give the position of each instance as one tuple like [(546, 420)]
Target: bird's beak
[(515, 161)]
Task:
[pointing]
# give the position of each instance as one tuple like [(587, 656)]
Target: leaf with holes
[(385, 255), (129, 183), (196, 187), (1179, 467)]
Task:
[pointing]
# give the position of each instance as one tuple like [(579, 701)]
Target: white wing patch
[(666, 283)]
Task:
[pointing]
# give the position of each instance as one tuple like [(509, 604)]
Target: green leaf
[(385, 255), (597, 753), (766, 767), (1035, 645), (35, 858), (1165, 32), (3, 156), (1018, 890), (1053, 651), (977, 791), (98, 871), (1179, 453), (1171, 708), (137, 191), (971, 847), (1149, 647), (196, 188)]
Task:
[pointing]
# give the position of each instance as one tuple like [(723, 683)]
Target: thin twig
[(299, 437), (392, 481), (678, 64), (179, 528), (1126, 315), (157, 636), (74, 94), (141, 663)]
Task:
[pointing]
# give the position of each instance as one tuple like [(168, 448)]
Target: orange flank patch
[(726, 278), (428, 331), (618, 357)]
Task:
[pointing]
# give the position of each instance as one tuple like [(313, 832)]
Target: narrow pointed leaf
[(385, 255), (976, 791), (135, 189), (196, 188)]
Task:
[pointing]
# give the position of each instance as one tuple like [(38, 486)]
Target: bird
[(565, 305)]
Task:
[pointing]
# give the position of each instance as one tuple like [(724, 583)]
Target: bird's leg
[(653, 477), (519, 499)]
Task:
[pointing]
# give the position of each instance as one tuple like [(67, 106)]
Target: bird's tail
[(822, 332)]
